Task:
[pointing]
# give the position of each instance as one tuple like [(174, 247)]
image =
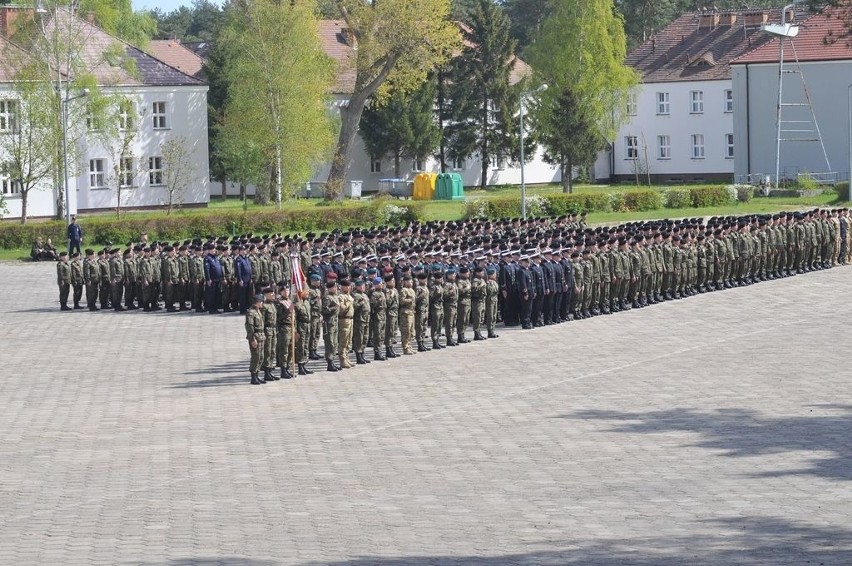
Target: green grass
[(17, 254)]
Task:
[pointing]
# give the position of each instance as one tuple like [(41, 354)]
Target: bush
[(643, 200), (842, 189), (709, 196), (678, 198), (99, 231)]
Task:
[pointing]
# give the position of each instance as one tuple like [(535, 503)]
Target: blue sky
[(164, 5)]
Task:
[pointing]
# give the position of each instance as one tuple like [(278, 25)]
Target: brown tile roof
[(335, 46), (9, 55), (699, 46), (177, 55), (822, 37)]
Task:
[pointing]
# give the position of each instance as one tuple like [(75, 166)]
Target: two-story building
[(160, 104), (681, 115)]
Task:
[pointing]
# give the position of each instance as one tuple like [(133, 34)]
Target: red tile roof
[(822, 37), (699, 46), (174, 53), (10, 55)]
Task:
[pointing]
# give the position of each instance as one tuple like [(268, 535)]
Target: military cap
[(377, 281), (315, 277), (90, 251)]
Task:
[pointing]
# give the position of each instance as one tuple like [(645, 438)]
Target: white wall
[(679, 125), (186, 118), (756, 95)]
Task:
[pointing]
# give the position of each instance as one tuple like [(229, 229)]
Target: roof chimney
[(728, 19), (756, 18), (708, 20), (90, 17), (8, 15)]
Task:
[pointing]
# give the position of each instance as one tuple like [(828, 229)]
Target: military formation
[(425, 286)]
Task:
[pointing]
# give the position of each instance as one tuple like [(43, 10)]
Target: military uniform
[(63, 280), (407, 307), (330, 326), (256, 336), (346, 317)]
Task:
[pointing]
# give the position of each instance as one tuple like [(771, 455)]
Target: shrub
[(616, 202), (537, 206), (643, 200), (709, 196), (842, 189), (476, 209), (678, 198)]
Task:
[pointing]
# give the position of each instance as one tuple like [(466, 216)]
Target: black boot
[(477, 336), (436, 345), (312, 355), (331, 366), (462, 339), (493, 335), (286, 373), (359, 359), (303, 369), (378, 357), (255, 380), (390, 353), (268, 376), (421, 347)]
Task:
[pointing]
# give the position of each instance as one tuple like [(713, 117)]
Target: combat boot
[(331, 366), (477, 336), (255, 380), (312, 355), (493, 335), (390, 353), (286, 373), (345, 363), (303, 369), (421, 347), (268, 376), (359, 359), (436, 345)]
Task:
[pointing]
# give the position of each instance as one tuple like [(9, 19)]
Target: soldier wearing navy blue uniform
[(212, 279), (538, 284), (525, 292), (242, 269)]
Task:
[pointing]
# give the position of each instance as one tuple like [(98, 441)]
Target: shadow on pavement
[(745, 433)]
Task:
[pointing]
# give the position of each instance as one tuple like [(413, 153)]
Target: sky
[(164, 5)]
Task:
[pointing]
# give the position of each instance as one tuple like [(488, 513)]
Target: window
[(698, 146), (729, 146), (125, 172), (155, 171), (663, 106), (458, 164), (93, 122), (8, 185), (126, 115), (498, 162), (96, 173), (159, 114), (729, 101), (375, 165), (632, 104), (8, 116), (631, 144), (664, 147), (696, 102), (417, 165)]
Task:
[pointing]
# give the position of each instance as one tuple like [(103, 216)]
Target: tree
[(580, 55), (482, 100), (398, 42), (526, 17), (199, 22), (113, 122), (118, 18), (278, 79), (178, 170), (402, 126)]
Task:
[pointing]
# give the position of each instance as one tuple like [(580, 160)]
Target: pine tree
[(401, 127), (481, 100)]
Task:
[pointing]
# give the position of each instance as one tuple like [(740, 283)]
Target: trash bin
[(424, 186), (352, 189), (449, 186)]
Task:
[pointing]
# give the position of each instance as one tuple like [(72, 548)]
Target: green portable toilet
[(456, 187)]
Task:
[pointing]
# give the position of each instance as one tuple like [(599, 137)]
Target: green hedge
[(99, 231), (710, 196), (643, 200), (678, 198), (549, 205)]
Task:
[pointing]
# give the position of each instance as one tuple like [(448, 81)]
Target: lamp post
[(64, 109), (849, 117), (523, 97)]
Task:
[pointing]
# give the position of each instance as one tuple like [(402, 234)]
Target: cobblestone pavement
[(712, 430)]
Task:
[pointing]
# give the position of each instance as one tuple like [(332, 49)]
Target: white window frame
[(156, 172), (418, 165), (126, 172), (664, 106), (729, 146), (8, 186), (664, 147), (375, 165), (696, 102), (697, 146), (631, 147), (9, 112), (126, 116), (158, 115), (97, 173), (458, 164), (632, 103), (729, 101)]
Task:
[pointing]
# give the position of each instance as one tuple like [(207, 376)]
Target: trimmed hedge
[(710, 196), (99, 231), (678, 198), (643, 200)]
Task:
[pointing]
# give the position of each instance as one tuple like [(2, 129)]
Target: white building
[(161, 103), (681, 125), (825, 57)]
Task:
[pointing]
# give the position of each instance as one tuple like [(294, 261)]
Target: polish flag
[(298, 278)]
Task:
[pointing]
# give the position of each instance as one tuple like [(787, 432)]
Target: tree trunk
[(350, 117), (224, 187), (118, 202), (397, 166), (567, 181), (242, 191), (24, 195), (484, 132), (443, 154), (277, 176)]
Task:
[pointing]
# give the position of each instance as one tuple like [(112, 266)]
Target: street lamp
[(849, 116), (524, 95), (64, 109)]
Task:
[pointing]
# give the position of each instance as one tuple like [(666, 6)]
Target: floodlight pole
[(64, 109), (523, 97)]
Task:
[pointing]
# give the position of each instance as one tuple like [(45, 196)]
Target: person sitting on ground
[(43, 251)]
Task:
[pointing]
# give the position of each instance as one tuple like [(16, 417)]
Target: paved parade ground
[(711, 430)]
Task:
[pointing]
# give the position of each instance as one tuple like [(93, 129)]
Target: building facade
[(680, 125), (157, 104)]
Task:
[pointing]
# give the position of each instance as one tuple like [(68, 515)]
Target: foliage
[(642, 200), (709, 196), (178, 170), (278, 78), (580, 54), (539, 205), (482, 114), (118, 18), (200, 22), (402, 126), (398, 43), (526, 18), (678, 198)]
